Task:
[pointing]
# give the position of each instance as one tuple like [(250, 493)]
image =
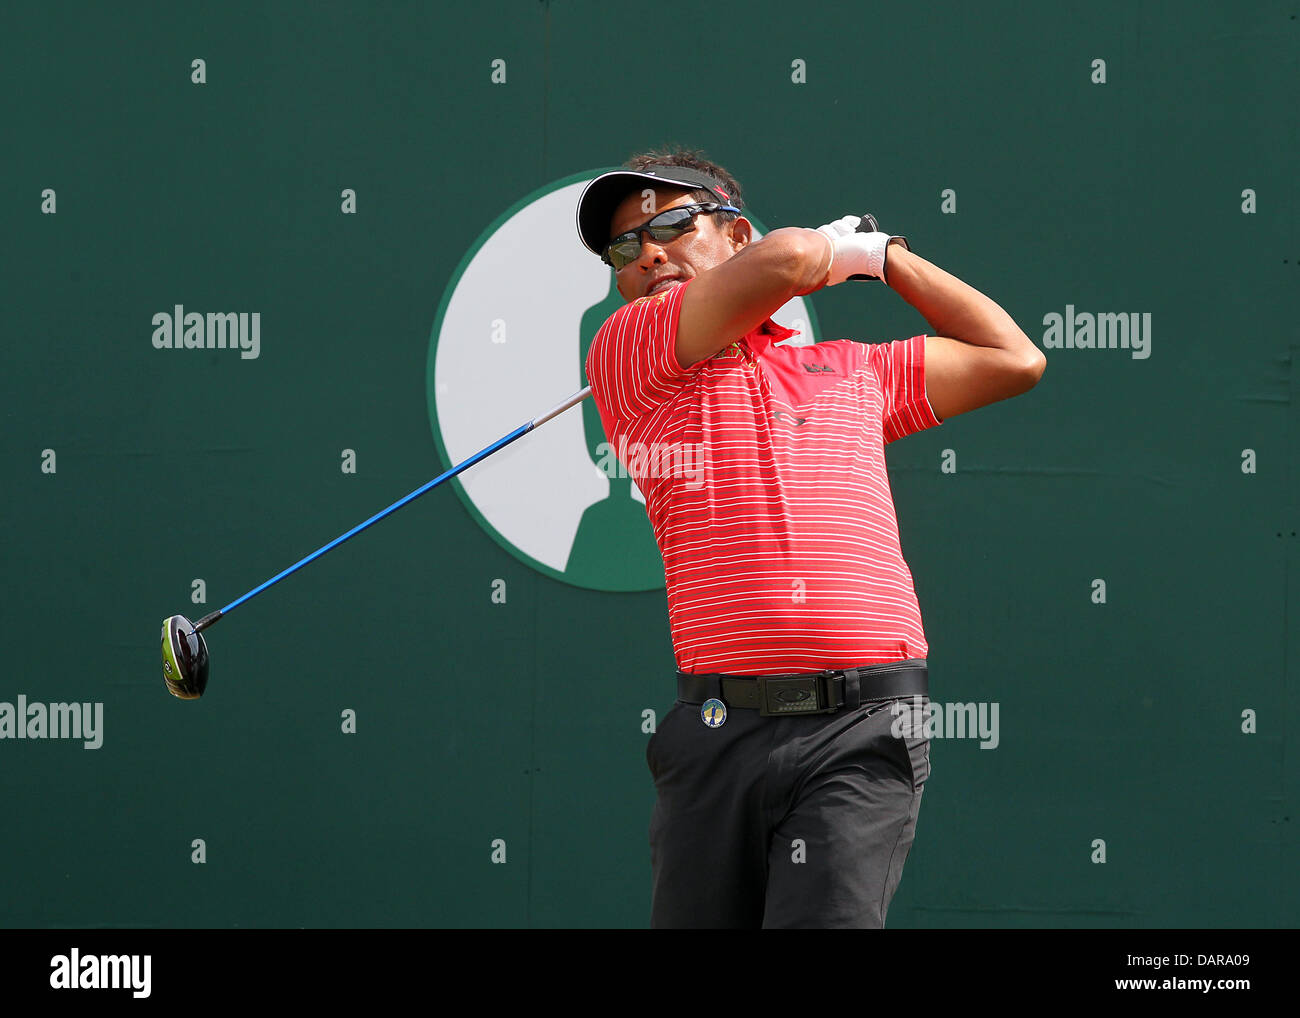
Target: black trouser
[(782, 822)]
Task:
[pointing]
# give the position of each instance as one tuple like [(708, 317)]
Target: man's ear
[(740, 233)]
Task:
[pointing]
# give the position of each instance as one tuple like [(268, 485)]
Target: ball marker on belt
[(713, 713)]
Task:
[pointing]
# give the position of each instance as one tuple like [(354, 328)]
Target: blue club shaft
[(482, 454)]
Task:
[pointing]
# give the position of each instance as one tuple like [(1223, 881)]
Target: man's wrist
[(826, 276), (896, 252), (818, 277)]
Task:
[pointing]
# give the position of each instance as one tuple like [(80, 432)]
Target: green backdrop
[(986, 134)]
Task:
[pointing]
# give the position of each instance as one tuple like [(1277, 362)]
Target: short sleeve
[(899, 368), (632, 364)]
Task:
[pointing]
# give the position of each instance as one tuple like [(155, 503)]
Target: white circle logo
[(509, 342)]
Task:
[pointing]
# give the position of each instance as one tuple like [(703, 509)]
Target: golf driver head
[(185, 658)]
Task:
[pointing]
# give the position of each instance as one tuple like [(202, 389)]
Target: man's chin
[(666, 284)]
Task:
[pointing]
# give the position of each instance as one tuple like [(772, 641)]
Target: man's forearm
[(953, 308), (738, 294)]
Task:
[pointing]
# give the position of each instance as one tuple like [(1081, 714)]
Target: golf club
[(184, 652)]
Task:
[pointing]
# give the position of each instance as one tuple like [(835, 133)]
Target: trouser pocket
[(907, 734)]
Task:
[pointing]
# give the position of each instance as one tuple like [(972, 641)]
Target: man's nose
[(652, 252)]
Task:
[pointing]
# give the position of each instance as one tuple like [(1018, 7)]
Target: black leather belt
[(809, 693)]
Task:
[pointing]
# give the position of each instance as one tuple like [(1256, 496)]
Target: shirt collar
[(760, 339)]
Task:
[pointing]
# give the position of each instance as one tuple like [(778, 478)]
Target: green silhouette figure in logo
[(614, 548)]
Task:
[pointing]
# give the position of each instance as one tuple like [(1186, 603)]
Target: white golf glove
[(858, 249)]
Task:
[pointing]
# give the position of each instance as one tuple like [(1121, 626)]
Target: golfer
[(783, 796)]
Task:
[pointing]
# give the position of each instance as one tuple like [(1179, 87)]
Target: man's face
[(683, 257)]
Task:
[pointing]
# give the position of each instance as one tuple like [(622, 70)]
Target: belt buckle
[(786, 694)]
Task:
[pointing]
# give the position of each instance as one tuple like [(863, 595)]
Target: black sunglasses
[(626, 247)]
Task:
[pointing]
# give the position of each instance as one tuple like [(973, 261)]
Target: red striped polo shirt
[(763, 471)]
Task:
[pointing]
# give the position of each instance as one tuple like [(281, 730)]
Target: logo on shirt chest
[(820, 369), (781, 415)]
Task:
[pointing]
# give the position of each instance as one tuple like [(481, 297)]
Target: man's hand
[(858, 248)]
